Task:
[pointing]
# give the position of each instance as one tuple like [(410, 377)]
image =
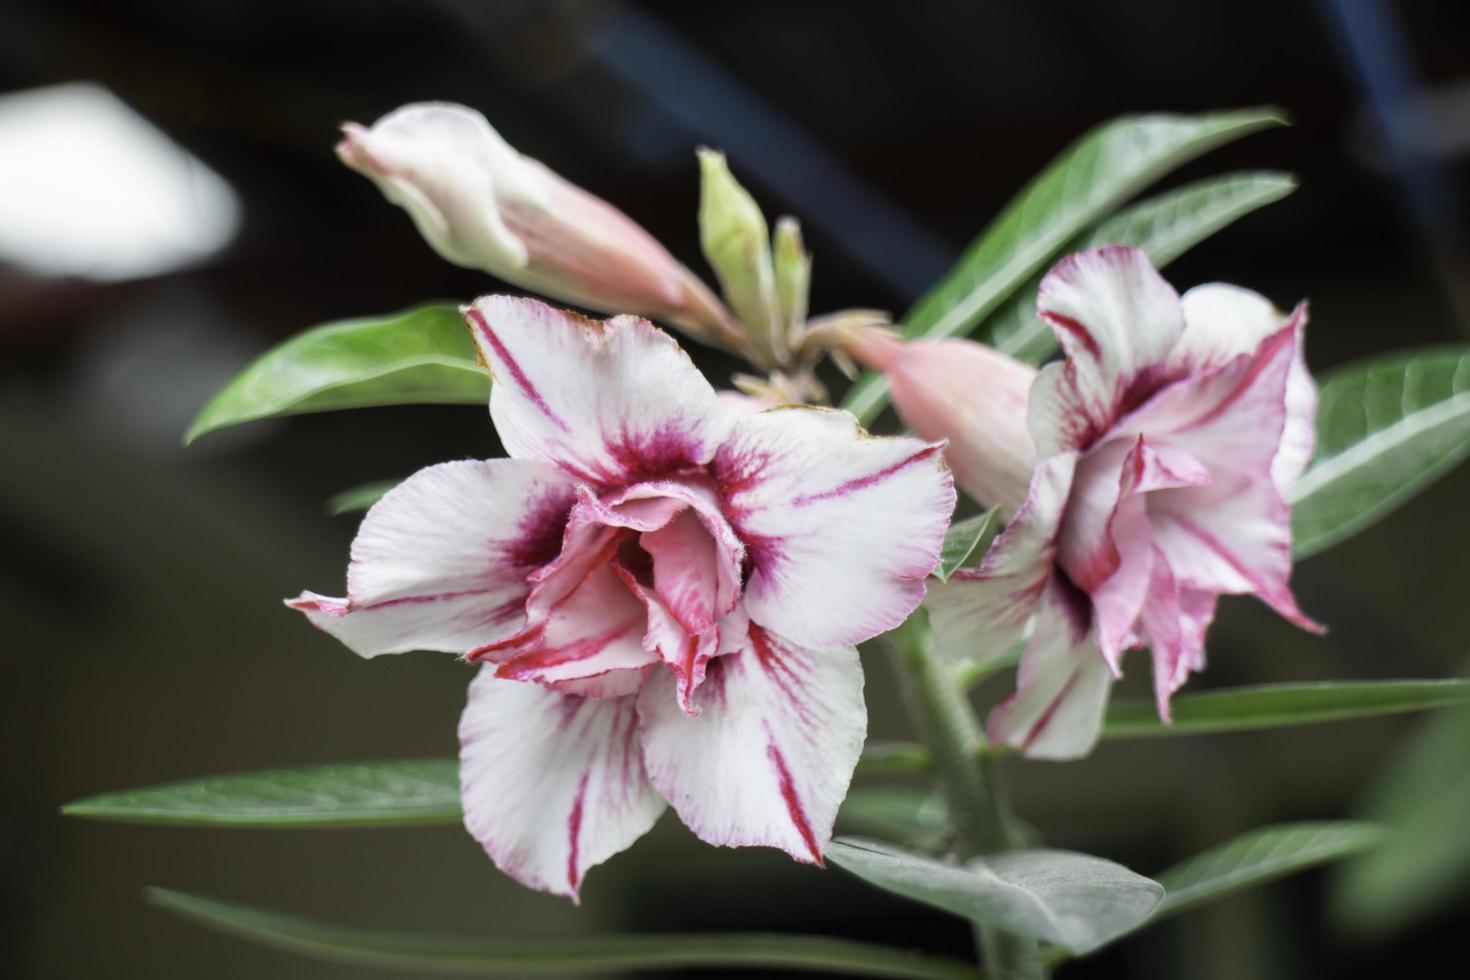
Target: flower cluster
[(664, 584), (1144, 474)]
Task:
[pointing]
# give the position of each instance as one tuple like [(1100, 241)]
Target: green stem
[(520, 956), (979, 810)]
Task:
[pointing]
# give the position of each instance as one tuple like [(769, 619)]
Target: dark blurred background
[(143, 638)]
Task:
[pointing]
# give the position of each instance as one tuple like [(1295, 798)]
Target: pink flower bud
[(965, 392), (482, 205)]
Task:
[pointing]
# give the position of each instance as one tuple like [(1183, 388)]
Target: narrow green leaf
[(1091, 178), (516, 956), (906, 814), (971, 536), (1277, 705), (1165, 227), (1386, 429), (396, 793), (357, 499), (422, 355), (1074, 901), (1260, 856), (1422, 796)]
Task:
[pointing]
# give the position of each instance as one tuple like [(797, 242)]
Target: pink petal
[(609, 401), (769, 758), (441, 562), (979, 614), (598, 628), (1223, 322), (686, 571), (840, 528), (551, 784), (1116, 320), (1062, 683), (1233, 535), (970, 394)]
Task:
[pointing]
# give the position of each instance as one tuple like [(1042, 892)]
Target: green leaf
[(422, 355), (1423, 797), (1091, 178), (1386, 429), (397, 793), (1074, 901), (359, 498), (907, 814), (1260, 856), (1277, 705), (971, 536), (894, 759), (1165, 227), (516, 956)]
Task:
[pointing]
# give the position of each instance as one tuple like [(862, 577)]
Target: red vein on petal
[(516, 373), (793, 802), (863, 482), (574, 831)]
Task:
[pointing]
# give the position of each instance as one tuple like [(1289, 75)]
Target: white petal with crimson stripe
[(440, 563), (551, 784), (769, 757), (610, 401), (840, 528)]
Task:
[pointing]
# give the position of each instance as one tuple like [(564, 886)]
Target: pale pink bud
[(481, 204), (965, 392)]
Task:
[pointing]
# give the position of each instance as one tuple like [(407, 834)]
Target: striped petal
[(981, 613), (1062, 683), (441, 562), (770, 755), (551, 784), (840, 528), (1116, 319), (609, 401)]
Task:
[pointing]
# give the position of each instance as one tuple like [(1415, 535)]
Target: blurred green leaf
[(1423, 798), (1165, 227), (1260, 856), (971, 536), (906, 814), (518, 956), (396, 793), (1386, 429), (422, 355), (358, 499), (1277, 705), (1075, 901), (1091, 178)]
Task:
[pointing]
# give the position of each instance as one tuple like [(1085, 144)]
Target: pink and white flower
[(1162, 446), (664, 595)]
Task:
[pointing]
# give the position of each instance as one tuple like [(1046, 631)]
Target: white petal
[(441, 562), (609, 401), (979, 614), (840, 528), (1062, 683), (769, 758), (552, 784), (1116, 320), (1223, 321)]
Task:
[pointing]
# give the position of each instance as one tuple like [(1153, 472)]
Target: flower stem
[(980, 812)]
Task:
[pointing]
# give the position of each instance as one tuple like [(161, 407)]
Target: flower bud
[(737, 244), (965, 392), (793, 276), (482, 205)]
